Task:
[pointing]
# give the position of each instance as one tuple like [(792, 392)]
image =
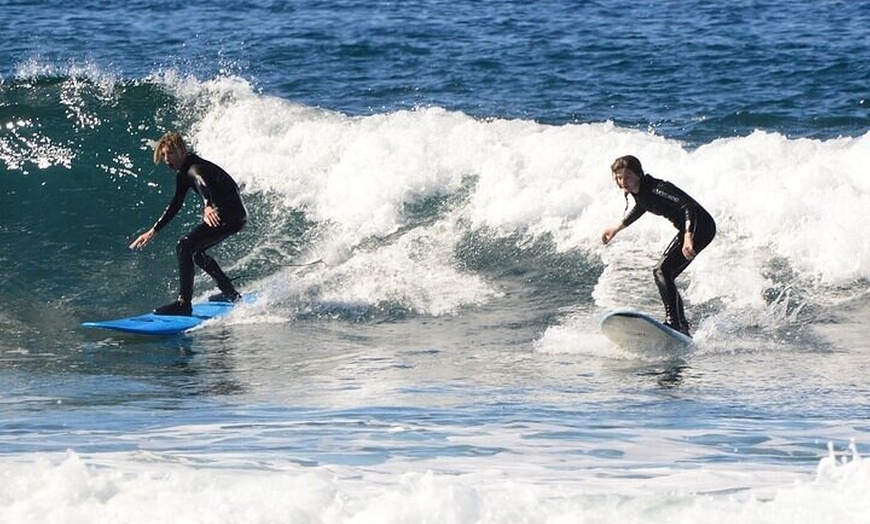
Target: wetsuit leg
[(669, 268), (191, 249), (671, 264), (211, 267)]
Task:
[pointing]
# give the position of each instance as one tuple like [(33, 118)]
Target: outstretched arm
[(168, 214)]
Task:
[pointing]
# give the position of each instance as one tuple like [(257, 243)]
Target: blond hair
[(170, 139)]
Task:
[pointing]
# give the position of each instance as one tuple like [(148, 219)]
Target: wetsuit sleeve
[(203, 188), (174, 206), (635, 213), (689, 213), (688, 207)]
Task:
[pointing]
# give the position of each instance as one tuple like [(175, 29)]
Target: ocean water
[(428, 182)]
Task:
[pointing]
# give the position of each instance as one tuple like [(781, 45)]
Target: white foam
[(779, 202), (147, 487), (415, 272)]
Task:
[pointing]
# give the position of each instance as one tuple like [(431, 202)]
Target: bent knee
[(661, 275), (184, 246)]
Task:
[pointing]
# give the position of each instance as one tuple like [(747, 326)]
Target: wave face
[(413, 212)]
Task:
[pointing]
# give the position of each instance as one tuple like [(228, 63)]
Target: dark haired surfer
[(695, 225)]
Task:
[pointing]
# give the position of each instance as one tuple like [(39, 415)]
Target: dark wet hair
[(627, 162)]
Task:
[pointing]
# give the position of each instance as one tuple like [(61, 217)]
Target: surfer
[(224, 214), (695, 225)]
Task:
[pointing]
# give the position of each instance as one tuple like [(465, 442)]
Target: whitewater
[(426, 228)]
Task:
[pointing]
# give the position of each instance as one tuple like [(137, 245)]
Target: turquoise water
[(427, 184)]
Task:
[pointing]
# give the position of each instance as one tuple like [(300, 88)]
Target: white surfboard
[(640, 333)]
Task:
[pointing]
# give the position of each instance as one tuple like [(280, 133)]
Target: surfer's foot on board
[(226, 296), (178, 308)]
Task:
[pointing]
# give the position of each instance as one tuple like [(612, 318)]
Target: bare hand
[(210, 216), (689, 246), (609, 233), (143, 239)]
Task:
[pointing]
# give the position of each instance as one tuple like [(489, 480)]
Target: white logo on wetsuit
[(665, 194)]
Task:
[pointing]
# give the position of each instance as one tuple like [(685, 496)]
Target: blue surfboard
[(640, 333), (152, 324)]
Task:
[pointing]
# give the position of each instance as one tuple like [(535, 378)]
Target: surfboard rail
[(639, 333), (153, 324)]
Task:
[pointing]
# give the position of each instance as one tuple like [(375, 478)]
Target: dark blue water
[(687, 70)]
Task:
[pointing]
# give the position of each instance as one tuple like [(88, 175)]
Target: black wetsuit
[(665, 199), (217, 189)]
